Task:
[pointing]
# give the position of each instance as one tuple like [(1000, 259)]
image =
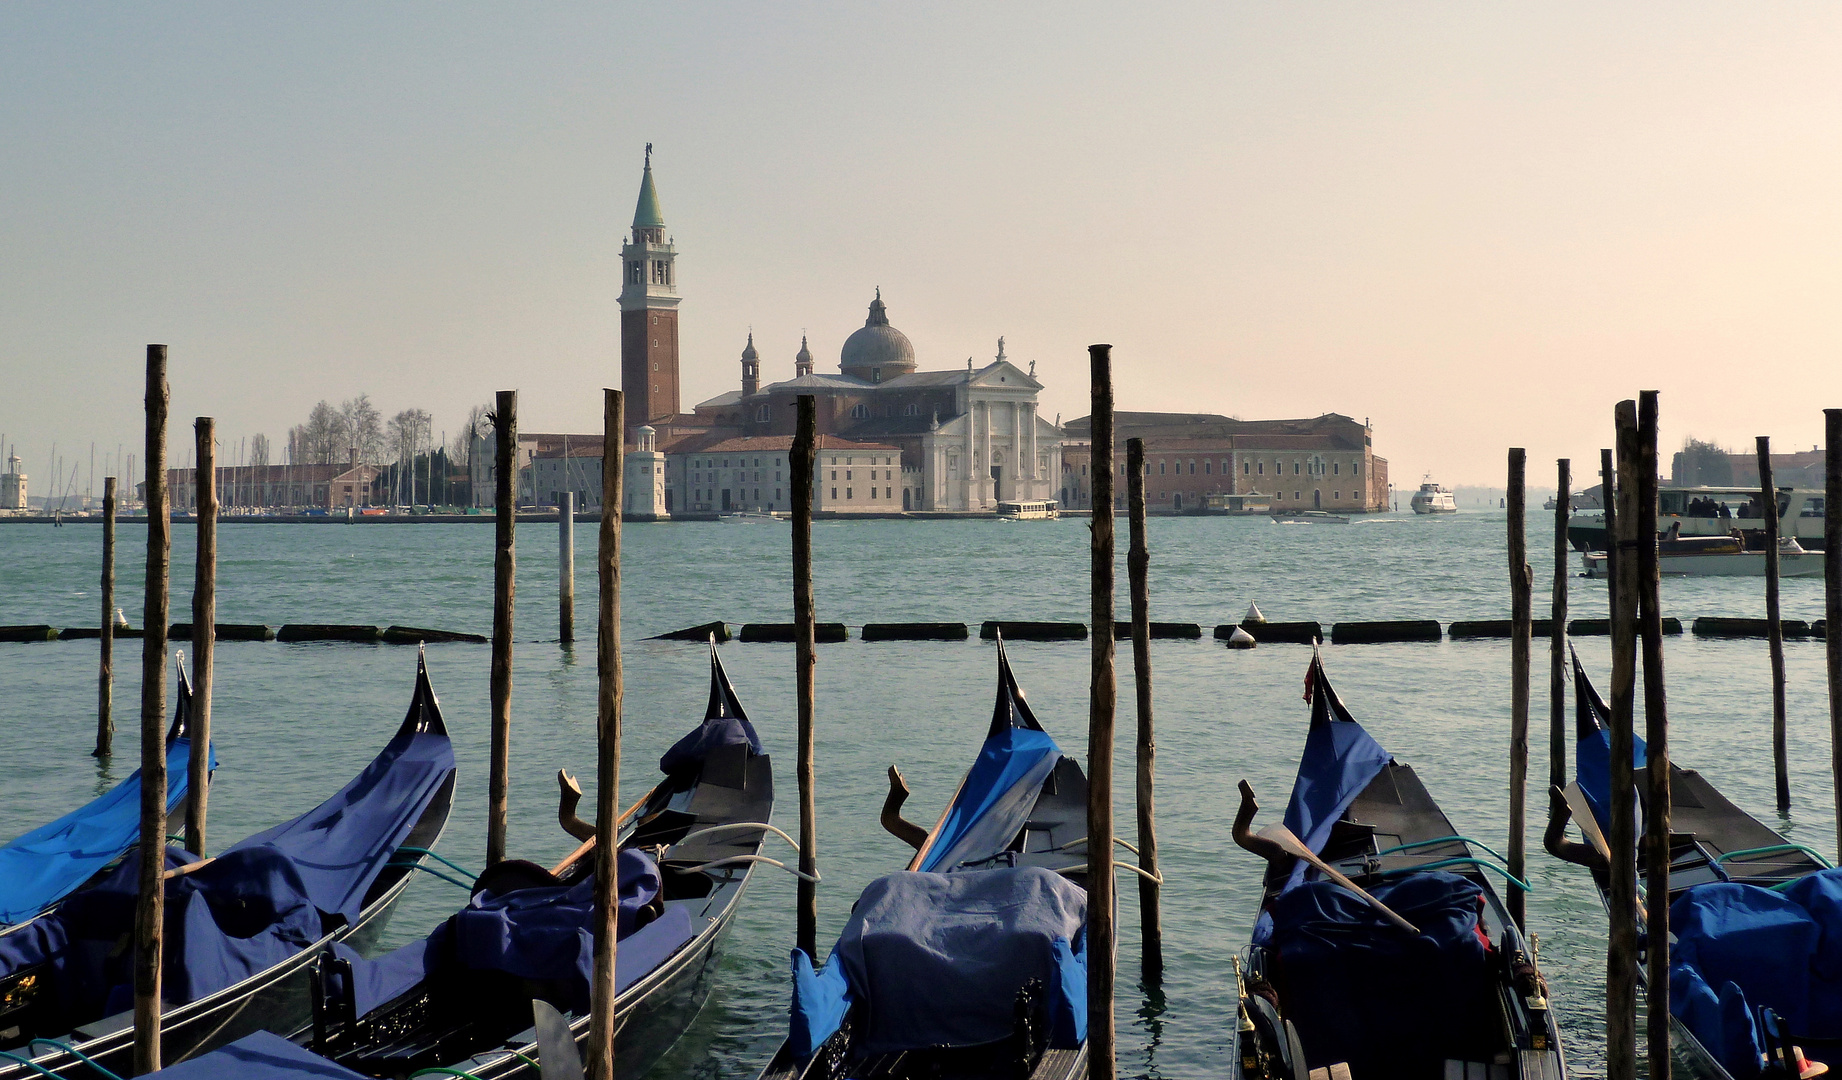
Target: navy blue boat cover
[(1742, 947), (1340, 759), (725, 724), (1002, 786), (1361, 990), (46, 864), (261, 1056), (1593, 748), (542, 933), (258, 903), (938, 959)]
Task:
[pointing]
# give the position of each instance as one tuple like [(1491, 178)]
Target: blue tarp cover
[(1742, 947), (255, 905), (1000, 791), (541, 933), (1593, 747), (1361, 990), (938, 959), (1340, 759), (261, 1056), (43, 866)]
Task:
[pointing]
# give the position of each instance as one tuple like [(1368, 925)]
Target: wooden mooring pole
[(1621, 951), (150, 901), (1138, 573), (603, 994), (105, 679), (1521, 627), (1768, 511), (505, 571), (1832, 598), (566, 560), (805, 628), (204, 636), (1656, 738), (1103, 701), (1608, 495), (1557, 646)]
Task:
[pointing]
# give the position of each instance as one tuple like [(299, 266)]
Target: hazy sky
[(1479, 225)]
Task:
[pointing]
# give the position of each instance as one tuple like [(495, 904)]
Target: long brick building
[(1327, 462)]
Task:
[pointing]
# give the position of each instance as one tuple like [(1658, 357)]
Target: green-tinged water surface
[(294, 722)]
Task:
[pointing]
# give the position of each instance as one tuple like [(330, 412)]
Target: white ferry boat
[(1714, 511), (1793, 560), (1029, 510), (1433, 499)]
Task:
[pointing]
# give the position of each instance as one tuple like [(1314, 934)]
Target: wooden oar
[(589, 844), (1291, 845), (1588, 823), (1277, 839)]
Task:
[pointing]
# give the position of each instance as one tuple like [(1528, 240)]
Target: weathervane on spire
[(649, 155)]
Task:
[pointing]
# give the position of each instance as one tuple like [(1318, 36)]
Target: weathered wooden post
[(1103, 698), (505, 570), (1768, 510), (1521, 627), (1832, 596), (1656, 738), (566, 560), (1608, 494), (1138, 572), (150, 901), (204, 636), (1557, 647), (804, 454), (603, 994), (105, 688), (1621, 950)]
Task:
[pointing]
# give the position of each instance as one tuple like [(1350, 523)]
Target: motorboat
[(1433, 499), (748, 517), (1311, 517), (1718, 556)]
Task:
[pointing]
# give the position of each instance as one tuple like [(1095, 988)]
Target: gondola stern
[(182, 707)]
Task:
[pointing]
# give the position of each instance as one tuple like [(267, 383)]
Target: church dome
[(878, 351)]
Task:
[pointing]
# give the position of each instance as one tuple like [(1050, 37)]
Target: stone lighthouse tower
[(648, 314)]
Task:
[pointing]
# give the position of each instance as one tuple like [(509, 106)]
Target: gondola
[(972, 962), (1419, 975), (53, 861), (1755, 986), (460, 999), (241, 928)]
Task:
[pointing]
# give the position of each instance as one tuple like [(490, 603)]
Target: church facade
[(968, 438)]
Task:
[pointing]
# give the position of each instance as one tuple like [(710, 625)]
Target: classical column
[(985, 481)]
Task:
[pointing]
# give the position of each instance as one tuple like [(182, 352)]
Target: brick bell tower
[(648, 314)]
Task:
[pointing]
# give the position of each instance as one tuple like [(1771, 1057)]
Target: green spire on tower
[(646, 215)]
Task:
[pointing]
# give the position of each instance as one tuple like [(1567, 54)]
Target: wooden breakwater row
[(1299, 633), (1343, 633), (384, 635)]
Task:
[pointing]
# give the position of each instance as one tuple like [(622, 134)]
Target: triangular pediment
[(1004, 374)]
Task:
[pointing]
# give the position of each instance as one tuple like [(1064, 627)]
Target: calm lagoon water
[(293, 722)]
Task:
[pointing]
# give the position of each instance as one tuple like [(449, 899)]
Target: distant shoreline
[(524, 517)]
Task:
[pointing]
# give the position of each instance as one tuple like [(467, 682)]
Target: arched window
[(860, 412), (911, 409), (761, 414)]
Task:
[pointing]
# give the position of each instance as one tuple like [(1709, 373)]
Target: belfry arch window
[(860, 412)]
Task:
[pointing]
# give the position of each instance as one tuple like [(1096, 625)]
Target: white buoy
[(1241, 639), (1253, 615)]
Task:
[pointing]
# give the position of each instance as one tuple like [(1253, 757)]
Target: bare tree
[(405, 436), (363, 427), (258, 449), (323, 441)]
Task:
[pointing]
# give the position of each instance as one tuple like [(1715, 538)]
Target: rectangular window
[(1205, 468), (847, 474), (1295, 468), (847, 493), (1356, 468), (1192, 468), (834, 493), (776, 494), (834, 472), (1336, 494), (1335, 469), (1160, 468)]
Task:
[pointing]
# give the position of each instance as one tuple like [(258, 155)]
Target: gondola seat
[(1362, 991)]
